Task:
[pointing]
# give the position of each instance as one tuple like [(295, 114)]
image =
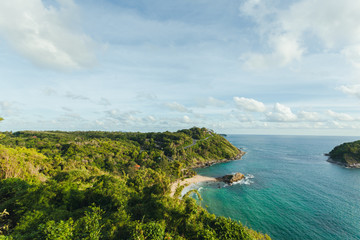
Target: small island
[(346, 154), (231, 178)]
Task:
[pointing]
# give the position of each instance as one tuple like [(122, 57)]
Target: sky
[(234, 66)]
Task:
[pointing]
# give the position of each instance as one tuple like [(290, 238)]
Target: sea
[(290, 190)]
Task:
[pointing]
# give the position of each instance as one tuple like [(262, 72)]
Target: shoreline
[(342, 164), (188, 181), (200, 178), (213, 162)]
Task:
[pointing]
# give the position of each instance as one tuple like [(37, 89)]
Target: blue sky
[(235, 66)]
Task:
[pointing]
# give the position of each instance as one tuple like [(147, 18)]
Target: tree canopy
[(347, 154), (107, 185)]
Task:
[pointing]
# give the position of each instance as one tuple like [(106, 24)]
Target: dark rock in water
[(231, 178)]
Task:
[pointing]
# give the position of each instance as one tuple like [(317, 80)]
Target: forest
[(346, 154), (108, 185)]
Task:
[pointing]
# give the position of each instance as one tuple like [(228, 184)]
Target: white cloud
[(340, 116), (75, 96), (309, 116), (151, 118), (281, 113), (335, 23), (146, 96), (286, 49), (49, 92), (46, 35), (100, 123), (177, 107), (353, 90), (105, 102), (211, 101), (242, 117), (249, 104), (352, 54), (71, 116), (125, 118), (66, 109), (259, 10), (186, 119), (344, 125), (7, 108), (330, 25)]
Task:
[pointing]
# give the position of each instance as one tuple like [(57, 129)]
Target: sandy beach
[(188, 181)]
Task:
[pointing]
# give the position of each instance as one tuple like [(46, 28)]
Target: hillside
[(108, 185), (346, 154)]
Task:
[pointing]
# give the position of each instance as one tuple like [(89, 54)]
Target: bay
[(291, 191)]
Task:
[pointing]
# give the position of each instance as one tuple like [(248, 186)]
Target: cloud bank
[(353, 90), (281, 113), (249, 104), (329, 25), (45, 35)]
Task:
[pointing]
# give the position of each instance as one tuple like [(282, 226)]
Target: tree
[(89, 227), (62, 230), (4, 225)]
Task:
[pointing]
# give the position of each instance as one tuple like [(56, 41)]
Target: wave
[(249, 176), (243, 181)]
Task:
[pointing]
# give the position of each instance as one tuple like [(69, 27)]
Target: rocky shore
[(343, 164), (212, 162)]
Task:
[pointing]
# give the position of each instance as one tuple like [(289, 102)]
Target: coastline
[(213, 162), (342, 164), (189, 181), (200, 178)]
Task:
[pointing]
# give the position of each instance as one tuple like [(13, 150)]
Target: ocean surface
[(290, 190)]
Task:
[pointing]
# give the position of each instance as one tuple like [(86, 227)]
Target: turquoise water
[(291, 191)]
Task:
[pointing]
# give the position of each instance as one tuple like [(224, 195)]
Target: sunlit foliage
[(107, 185)]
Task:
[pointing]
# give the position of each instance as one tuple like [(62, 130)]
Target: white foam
[(188, 188), (203, 185), (249, 176), (246, 180)]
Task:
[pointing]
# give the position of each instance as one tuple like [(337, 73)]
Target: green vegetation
[(108, 185), (347, 154)]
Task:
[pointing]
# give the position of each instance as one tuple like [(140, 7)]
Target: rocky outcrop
[(231, 178)]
